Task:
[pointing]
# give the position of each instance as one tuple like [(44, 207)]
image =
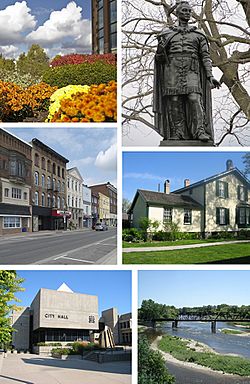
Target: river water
[(220, 342)]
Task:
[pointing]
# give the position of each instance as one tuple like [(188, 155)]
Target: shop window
[(12, 222)]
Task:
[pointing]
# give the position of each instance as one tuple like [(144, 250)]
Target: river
[(220, 342)]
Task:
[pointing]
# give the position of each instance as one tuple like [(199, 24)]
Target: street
[(85, 247)]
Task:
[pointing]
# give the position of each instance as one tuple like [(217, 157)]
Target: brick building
[(110, 191), (94, 207), (49, 194), (15, 184), (104, 26)]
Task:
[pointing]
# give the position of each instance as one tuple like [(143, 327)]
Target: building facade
[(87, 210), (55, 316), (216, 204), (49, 197), (75, 203), (15, 184), (121, 326), (104, 26), (94, 207), (103, 210), (110, 191)]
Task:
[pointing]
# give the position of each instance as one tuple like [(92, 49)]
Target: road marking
[(71, 258)]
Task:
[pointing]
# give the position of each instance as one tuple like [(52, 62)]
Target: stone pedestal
[(186, 143)]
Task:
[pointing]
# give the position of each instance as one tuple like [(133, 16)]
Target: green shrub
[(78, 348), (243, 234), (42, 344), (61, 351), (23, 80), (151, 365), (82, 74), (131, 234)]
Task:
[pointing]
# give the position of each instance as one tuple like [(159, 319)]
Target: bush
[(91, 104), (79, 347), (60, 351), (42, 344), (151, 365), (82, 74), (24, 80), (131, 234), (75, 58), (243, 234)]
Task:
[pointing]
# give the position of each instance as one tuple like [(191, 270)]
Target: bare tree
[(226, 24)]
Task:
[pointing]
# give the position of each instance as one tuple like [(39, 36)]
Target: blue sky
[(60, 27), (113, 288), (195, 288), (92, 151), (145, 170)]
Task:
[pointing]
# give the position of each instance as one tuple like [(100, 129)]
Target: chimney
[(167, 187), (186, 183), (230, 165)]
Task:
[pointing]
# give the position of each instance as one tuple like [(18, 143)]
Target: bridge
[(213, 319)]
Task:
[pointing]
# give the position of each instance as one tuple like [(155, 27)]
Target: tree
[(226, 24), (125, 205), (9, 285), (35, 62), (246, 162), (151, 365)]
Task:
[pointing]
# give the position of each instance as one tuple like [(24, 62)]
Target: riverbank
[(230, 331), (199, 356)]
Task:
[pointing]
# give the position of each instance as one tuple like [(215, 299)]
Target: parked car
[(101, 227)]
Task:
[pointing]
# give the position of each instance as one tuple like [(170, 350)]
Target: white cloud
[(14, 20), (107, 159), (9, 51), (65, 27)]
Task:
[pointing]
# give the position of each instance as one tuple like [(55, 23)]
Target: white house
[(74, 196), (217, 203), (86, 201)]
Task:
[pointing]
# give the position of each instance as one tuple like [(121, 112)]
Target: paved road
[(34, 369), (86, 247)]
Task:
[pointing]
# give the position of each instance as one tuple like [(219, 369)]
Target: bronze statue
[(183, 81)]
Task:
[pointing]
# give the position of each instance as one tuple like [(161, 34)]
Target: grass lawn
[(125, 244), (227, 364), (219, 254)]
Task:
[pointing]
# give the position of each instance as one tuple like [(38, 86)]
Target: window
[(36, 178), (76, 185), (58, 185), (25, 196), (43, 200), (68, 183), (242, 193), (36, 160), (76, 202), (63, 175), (43, 163), (53, 201), (16, 193), (49, 201), (91, 319), (167, 215), (63, 203), (48, 182), (36, 198), (243, 217), (6, 192), (58, 171), (54, 169), (68, 201), (54, 184), (221, 189), (72, 201), (43, 181), (58, 202), (222, 216), (187, 216), (63, 187), (12, 222), (48, 166)]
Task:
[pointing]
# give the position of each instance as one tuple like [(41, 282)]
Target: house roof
[(160, 198), (234, 171)]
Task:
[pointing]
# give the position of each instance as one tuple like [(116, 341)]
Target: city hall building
[(55, 316)]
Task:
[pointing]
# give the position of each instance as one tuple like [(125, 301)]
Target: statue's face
[(184, 12)]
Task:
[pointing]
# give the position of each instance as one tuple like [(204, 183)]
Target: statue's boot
[(198, 123), (178, 121)]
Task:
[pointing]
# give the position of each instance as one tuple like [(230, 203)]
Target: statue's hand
[(215, 83)]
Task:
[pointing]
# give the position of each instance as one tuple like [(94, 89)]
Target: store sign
[(53, 316)]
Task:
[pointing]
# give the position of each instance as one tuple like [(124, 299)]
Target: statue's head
[(183, 10)]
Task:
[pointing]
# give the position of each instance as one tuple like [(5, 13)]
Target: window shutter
[(236, 215), (217, 215), (227, 216), (217, 187), (226, 190), (238, 192), (246, 194)]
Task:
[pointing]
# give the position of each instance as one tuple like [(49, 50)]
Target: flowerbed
[(96, 103), (75, 58), (17, 103)]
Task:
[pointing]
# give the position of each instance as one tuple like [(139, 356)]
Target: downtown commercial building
[(60, 316), (104, 26)]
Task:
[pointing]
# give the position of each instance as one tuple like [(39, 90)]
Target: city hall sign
[(53, 316)]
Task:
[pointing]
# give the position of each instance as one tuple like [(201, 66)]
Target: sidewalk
[(174, 247), (42, 233), (34, 369)]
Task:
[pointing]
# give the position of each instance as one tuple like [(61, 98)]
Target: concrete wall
[(110, 318), (20, 321), (65, 310)]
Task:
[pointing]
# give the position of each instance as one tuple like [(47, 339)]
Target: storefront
[(14, 219)]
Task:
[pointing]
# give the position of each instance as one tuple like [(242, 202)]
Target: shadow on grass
[(236, 260), (123, 367)]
